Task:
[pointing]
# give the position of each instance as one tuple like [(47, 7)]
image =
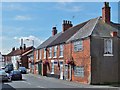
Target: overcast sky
[(34, 20)]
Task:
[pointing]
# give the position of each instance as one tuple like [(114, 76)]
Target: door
[(61, 69), (66, 72), (40, 68)]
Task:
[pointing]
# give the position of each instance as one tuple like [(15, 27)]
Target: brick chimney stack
[(106, 12), (54, 31), (66, 25)]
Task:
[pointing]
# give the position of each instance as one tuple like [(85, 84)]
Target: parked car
[(4, 76), (3, 67), (23, 70), (9, 67), (16, 75)]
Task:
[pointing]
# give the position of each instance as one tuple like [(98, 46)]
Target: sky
[(34, 20)]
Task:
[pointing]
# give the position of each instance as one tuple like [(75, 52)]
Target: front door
[(61, 69), (40, 68), (66, 72)]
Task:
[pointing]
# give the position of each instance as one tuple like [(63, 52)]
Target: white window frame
[(40, 54), (78, 46), (108, 47), (61, 51), (80, 72), (36, 54), (55, 52), (52, 67), (50, 52), (44, 53)]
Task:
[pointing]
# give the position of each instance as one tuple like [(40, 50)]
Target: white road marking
[(26, 82), (40, 87)]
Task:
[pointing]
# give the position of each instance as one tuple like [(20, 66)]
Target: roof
[(67, 34), (19, 52), (94, 27), (48, 41)]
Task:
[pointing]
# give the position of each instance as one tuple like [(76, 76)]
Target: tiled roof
[(67, 34), (95, 27), (19, 52), (92, 27), (48, 41)]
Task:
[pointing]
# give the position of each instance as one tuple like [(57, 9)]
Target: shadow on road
[(7, 87)]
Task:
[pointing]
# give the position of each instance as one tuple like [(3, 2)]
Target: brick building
[(88, 52), (19, 56)]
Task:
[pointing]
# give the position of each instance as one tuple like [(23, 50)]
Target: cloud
[(29, 40), (22, 18), (65, 6), (13, 7)]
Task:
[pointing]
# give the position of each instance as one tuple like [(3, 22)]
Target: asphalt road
[(40, 82)]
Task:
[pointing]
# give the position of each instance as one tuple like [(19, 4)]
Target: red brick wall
[(81, 58)]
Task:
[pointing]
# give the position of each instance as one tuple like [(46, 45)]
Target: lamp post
[(32, 63)]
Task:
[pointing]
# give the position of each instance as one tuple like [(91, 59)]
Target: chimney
[(66, 25), (54, 31), (13, 49), (20, 47), (24, 47), (106, 12)]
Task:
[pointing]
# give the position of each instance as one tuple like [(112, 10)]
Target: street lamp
[(33, 53)]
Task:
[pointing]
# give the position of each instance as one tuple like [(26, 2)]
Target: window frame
[(44, 53), (80, 73), (55, 52), (78, 46), (61, 53), (50, 52), (108, 47)]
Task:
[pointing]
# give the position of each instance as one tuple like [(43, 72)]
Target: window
[(79, 71), (78, 46), (108, 46), (36, 54), (50, 52), (55, 51), (40, 54), (44, 53), (61, 50), (52, 66)]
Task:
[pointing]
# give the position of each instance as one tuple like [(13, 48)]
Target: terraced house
[(87, 53)]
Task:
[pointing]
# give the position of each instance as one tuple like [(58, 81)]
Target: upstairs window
[(44, 53), (78, 45), (61, 50), (36, 54), (40, 55), (108, 46), (50, 52), (55, 51)]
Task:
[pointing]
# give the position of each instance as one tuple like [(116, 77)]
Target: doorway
[(61, 69)]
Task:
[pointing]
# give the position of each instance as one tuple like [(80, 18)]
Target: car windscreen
[(22, 68), (3, 73), (16, 72)]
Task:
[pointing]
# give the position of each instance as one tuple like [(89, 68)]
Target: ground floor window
[(79, 71)]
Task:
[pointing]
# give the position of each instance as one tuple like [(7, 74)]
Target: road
[(36, 81)]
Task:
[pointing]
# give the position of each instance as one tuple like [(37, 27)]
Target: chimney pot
[(66, 25), (54, 31), (13, 49), (24, 46)]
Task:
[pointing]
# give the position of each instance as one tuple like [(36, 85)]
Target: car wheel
[(9, 80)]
